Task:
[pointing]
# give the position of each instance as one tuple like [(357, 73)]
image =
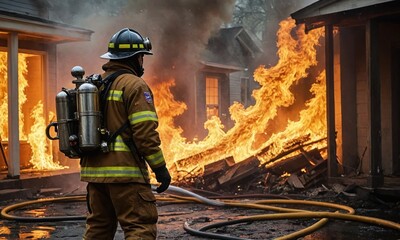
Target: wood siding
[(27, 7)]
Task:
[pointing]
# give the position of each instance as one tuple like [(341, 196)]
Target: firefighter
[(118, 189)]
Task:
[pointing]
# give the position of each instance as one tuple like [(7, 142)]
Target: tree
[(262, 18)]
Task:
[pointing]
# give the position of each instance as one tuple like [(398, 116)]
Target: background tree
[(262, 18)]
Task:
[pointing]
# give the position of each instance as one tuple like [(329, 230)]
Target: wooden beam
[(374, 103), (13, 109), (330, 101)]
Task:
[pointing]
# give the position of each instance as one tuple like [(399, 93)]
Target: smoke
[(178, 31), (182, 31)]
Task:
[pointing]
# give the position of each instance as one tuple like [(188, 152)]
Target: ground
[(174, 214)]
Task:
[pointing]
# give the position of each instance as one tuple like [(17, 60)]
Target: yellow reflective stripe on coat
[(113, 171), (115, 95), (155, 158), (142, 117), (119, 146)]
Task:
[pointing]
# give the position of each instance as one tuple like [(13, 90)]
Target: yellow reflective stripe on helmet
[(127, 45), (115, 95), (155, 158), (136, 45), (142, 116), (113, 171), (119, 146)]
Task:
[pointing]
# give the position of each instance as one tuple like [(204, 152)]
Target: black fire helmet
[(127, 43)]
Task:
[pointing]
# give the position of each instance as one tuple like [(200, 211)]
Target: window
[(212, 103)]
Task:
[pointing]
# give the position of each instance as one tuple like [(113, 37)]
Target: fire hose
[(186, 196)]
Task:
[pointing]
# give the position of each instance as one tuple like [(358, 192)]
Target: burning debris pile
[(285, 172)]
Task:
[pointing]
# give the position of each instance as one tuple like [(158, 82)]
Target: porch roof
[(345, 12), (33, 28)]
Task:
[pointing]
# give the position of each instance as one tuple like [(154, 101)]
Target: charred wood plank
[(215, 170), (296, 163), (239, 171), (295, 182), (287, 152), (218, 166), (289, 165), (315, 173)]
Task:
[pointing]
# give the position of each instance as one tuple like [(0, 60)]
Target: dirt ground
[(173, 215)]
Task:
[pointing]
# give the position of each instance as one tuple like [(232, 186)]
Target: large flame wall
[(297, 54)]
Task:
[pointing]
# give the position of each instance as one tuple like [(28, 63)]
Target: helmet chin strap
[(140, 72), (137, 67), (140, 65), (134, 63)]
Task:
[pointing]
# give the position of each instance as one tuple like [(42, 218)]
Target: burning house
[(362, 79), (203, 87), (28, 59)]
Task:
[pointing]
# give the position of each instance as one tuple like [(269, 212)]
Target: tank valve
[(78, 72)]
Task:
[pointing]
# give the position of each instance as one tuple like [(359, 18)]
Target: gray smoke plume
[(182, 29), (178, 31)]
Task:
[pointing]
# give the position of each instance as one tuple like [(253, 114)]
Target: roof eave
[(35, 28), (310, 17), (224, 67)]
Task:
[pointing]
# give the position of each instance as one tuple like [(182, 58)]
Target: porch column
[(374, 104), (330, 102), (13, 160)]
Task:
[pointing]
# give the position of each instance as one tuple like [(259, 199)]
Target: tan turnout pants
[(132, 205)]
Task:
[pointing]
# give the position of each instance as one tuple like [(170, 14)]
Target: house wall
[(347, 142), (200, 105), (225, 101), (354, 122), (395, 86), (235, 87), (240, 88), (27, 7), (388, 41), (362, 118)]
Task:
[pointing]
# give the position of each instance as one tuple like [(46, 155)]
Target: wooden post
[(330, 102), (13, 109), (374, 103)]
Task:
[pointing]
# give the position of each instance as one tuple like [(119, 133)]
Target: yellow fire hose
[(285, 213)]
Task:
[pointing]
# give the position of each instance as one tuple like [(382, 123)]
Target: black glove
[(163, 177)]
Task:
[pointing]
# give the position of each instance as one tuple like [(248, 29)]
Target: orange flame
[(247, 137), (22, 85), (41, 158)]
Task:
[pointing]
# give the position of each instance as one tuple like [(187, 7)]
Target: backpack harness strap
[(103, 99)]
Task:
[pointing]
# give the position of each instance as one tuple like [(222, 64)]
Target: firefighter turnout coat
[(129, 98)]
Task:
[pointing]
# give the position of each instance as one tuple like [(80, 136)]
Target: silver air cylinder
[(65, 110), (89, 117)]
